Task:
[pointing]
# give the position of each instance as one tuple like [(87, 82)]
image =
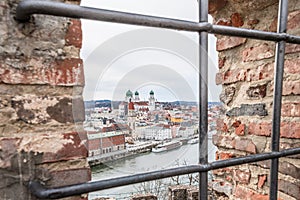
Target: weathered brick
[(222, 62), (74, 34), (224, 155), (231, 76), (8, 149), (293, 20), (248, 110), (62, 72), (223, 141), (222, 187), (257, 92), (292, 66), (227, 95), (291, 88), (240, 130), (292, 48), (237, 20), (290, 109), (236, 124), (227, 42), (244, 144), (258, 52), (69, 177), (67, 110), (242, 176), (262, 72), (224, 22), (221, 125), (244, 193), (287, 129), (73, 147), (261, 180), (285, 167), (33, 109), (263, 128), (290, 188), (290, 130)]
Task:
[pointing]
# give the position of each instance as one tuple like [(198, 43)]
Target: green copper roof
[(128, 93), (151, 92)]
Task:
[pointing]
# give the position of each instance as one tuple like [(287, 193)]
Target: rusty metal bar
[(42, 192), (29, 7), (203, 100), (277, 97)]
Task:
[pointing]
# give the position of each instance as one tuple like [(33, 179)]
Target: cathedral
[(132, 107), (140, 106)]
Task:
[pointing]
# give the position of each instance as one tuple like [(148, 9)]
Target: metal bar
[(203, 100), (42, 192), (278, 80), (28, 7)]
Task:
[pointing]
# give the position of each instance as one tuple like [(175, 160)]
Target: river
[(186, 154)]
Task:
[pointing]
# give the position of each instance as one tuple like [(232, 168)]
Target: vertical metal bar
[(203, 101), (278, 79)]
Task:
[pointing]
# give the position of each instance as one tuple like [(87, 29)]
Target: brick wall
[(246, 69), (41, 81)]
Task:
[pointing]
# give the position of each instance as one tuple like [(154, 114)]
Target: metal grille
[(29, 7)]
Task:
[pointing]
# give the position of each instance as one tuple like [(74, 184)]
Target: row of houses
[(113, 138)]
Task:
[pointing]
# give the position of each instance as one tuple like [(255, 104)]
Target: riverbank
[(131, 150), (185, 155)]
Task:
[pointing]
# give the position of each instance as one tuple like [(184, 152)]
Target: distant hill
[(102, 103), (115, 104)]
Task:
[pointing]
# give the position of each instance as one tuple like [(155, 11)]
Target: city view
[(135, 129)]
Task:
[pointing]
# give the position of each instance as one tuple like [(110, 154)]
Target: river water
[(186, 154)]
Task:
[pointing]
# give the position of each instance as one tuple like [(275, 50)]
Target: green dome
[(136, 93), (128, 93), (151, 92)]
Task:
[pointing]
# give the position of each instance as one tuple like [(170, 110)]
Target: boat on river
[(193, 141), (167, 146)]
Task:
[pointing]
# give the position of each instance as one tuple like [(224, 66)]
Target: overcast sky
[(120, 57)]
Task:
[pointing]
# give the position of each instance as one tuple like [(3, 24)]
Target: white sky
[(120, 57)]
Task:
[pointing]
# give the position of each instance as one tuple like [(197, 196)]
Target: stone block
[(259, 52), (248, 110), (222, 187), (227, 95), (223, 141), (226, 42), (290, 188), (69, 177), (178, 192), (257, 92), (245, 144), (242, 176), (144, 197)]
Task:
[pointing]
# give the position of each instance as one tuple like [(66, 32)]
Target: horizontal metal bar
[(28, 7), (45, 193)]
